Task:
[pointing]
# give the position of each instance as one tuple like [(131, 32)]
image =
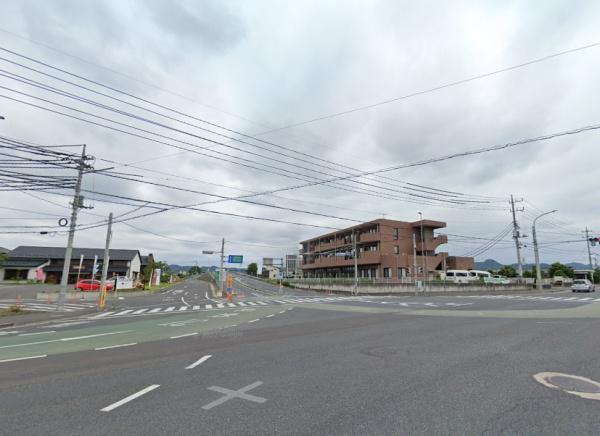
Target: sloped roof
[(37, 252), (4, 250)]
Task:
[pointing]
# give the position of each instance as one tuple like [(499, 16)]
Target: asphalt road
[(306, 363)]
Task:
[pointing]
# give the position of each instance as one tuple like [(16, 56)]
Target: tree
[(252, 269), (2, 258), (559, 269), (528, 274), (194, 270), (507, 271)]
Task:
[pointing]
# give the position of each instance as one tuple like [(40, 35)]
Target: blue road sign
[(235, 258)]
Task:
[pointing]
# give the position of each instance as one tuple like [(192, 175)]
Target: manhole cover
[(571, 384)]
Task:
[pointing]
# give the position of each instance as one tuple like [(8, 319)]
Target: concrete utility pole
[(517, 235), (76, 205), (536, 252), (355, 252), (106, 255), (587, 241), (222, 270)]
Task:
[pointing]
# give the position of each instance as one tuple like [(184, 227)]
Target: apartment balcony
[(432, 244), (369, 237), (365, 258)]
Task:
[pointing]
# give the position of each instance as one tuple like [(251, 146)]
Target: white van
[(475, 275), (456, 275)]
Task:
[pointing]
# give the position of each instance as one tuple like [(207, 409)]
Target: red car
[(92, 285)]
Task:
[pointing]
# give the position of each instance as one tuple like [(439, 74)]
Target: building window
[(387, 273), (395, 234), (396, 249)]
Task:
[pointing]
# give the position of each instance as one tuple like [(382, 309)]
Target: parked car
[(92, 285), (583, 285)]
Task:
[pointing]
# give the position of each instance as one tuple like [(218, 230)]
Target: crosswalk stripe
[(158, 309), (220, 305), (170, 309), (241, 304), (251, 303), (124, 312), (137, 312), (104, 314), (196, 307), (231, 305), (182, 308), (208, 306), (262, 303)]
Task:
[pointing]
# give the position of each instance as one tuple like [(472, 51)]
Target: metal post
[(80, 266), (355, 250), (415, 261), (222, 271), (423, 247), (106, 256), (516, 236), (536, 252), (77, 200)]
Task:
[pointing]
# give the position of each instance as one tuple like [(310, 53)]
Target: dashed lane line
[(115, 346), (24, 358), (199, 361), (129, 398)]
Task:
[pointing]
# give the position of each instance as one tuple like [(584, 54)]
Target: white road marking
[(182, 308), (230, 394), (24, 358), (38, 333), (124, 312), (104, 314), (196, 307), (158, 309), (241, 304), (254, 320), (137, 312), (208, 306), (251, 303), (283, 311), (129, 398), (185, 302), (183, 336), (220, 305), (199, 361), (262, 303), (64, 339), (269, 316), (170, 309), (115, 346), (231, 305)]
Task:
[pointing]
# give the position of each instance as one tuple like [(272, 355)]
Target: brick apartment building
[(385, 250)]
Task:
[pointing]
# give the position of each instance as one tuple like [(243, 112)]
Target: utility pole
[(106, 256), (222, 270), (517, 236), (355, 250), (587, 241), (423, 248), (538, 270), (415, 260), (76, 205)]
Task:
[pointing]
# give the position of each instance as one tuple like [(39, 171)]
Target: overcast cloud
[(254, 66)]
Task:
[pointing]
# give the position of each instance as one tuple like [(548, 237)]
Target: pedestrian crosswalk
[(537, 298), (215, 306), (45, 307)]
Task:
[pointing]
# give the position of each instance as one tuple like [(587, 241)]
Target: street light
[(423, 246), (536, 252)]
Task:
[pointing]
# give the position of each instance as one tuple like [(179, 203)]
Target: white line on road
[(183, 336), (115, 346), (137, 312), (254, 320), (129, 398), (283, 311), (208, 306), (199, 361), (158, 309), (104, 314), (269, 316), (196, 307), (37, 333), (185, 302), (23, 358), (220, 306), (64, 339), (170, 309), (182, 308)]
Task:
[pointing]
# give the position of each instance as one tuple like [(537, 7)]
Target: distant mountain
[(178, 268), (488, 264), (494, 265)]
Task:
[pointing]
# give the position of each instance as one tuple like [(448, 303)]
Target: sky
[(279, 72)]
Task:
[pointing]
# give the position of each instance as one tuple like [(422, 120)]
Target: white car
[(583, 285)]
